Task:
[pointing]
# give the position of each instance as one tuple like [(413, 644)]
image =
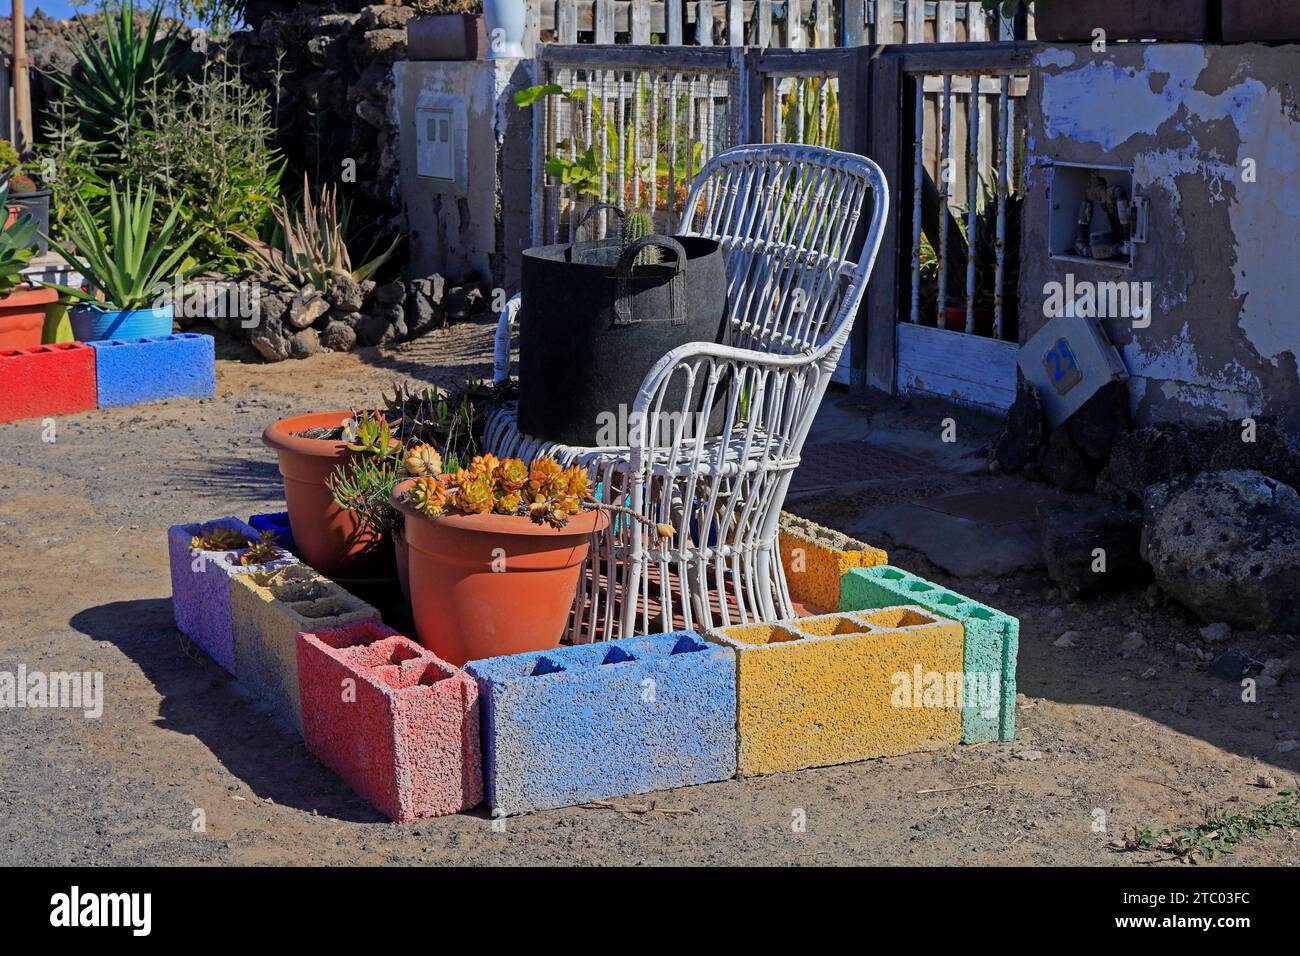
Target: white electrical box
[(1074, 218), (1067, 361), (435, 143)]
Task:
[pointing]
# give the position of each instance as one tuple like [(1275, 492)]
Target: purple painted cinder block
[(201, 586)]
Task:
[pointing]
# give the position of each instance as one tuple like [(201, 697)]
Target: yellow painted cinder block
[(843, 687), (267, 610), (815, 558)]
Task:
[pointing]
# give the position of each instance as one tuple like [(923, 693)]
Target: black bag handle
[(597, 207), (676, 285)]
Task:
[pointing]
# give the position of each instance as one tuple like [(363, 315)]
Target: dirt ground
[(1107, 738)]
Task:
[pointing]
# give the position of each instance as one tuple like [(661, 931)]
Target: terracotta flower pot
[(329, 538), (22, 316), (490, 585), (1069, 20), (403, 564)]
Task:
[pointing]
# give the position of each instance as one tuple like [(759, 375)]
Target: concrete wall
[(477, 223), (1192, 120)]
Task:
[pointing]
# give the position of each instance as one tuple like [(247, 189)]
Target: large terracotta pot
[(1070, 20), (22, 316), (490, 585), (329, 538)]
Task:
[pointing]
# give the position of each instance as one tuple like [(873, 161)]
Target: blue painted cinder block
[(131, 371), (577, 724), (277, 524)]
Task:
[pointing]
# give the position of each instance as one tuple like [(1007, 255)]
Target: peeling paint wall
[(1193, 121), (478, 224)]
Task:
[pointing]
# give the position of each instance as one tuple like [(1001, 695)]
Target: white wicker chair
[(787, 217)]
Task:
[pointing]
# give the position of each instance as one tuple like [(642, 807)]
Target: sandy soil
[(1106, 736)]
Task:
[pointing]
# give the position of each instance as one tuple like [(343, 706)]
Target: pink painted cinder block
[(398, 724)]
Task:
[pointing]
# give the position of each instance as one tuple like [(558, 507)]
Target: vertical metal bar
[(1005, 158), (946, 21), (641, 22), (884, 10), (852, 26), (672, 153), (764, 37), (604, 142), (673, 21), (566, 21), (620, 130), (914, 22), (736, 22), (972, 198), (945, 191), (654, 142), (638, 125), (918, 162)]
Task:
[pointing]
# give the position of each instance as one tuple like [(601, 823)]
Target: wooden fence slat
[(884, 11), (566, 21), (825, 14), (604, 17), (673, 21), (976, 25), (704, 23), (946, 22), (641, 22), (736, 22), (853, 24), (763, 38), (794, 24), (914, 22)]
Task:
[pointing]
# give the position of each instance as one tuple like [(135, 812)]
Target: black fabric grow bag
[(592, 325)]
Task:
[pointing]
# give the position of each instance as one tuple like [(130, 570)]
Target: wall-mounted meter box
[(1097, 214), (441, 133)]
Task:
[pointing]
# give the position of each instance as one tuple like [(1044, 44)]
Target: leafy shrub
[(207, 147)]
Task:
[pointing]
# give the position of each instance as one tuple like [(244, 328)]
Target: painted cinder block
[(837, 688), (46, 380), (278, 525), (992, 639), (816, 557), (154, 368), (201, 586), (398, 724), (268, 609), (576, 724)]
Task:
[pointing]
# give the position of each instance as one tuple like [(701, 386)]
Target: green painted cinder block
[(992, 639)]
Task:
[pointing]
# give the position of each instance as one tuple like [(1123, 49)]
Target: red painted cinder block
[(46, 380), (398, 724)]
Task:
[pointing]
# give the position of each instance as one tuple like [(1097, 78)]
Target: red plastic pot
[(22, 316), (490, 585), (328, 537)]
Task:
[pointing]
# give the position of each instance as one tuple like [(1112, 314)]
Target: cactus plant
[(636, 226)]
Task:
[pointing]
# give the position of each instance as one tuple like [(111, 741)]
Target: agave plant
[(312, 248), (131, 263), (17, 244), (104, 89)]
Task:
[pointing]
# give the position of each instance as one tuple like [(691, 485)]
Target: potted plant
[(22, 307), (447, 30), (495, 552), (129, 267), (340, 469), (25, 196), (1075, 20), (1244, 20)]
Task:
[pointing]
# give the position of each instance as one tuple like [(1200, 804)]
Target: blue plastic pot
[(93, 324)]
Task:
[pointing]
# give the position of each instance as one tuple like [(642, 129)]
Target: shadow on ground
[(201, 700)]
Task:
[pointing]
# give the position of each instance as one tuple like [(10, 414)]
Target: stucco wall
[(479, 223), (1224, 337)]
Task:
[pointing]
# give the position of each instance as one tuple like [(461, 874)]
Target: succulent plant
[(217, 538), (261, 551), (369, 434), (428, 496), (422, 460)]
